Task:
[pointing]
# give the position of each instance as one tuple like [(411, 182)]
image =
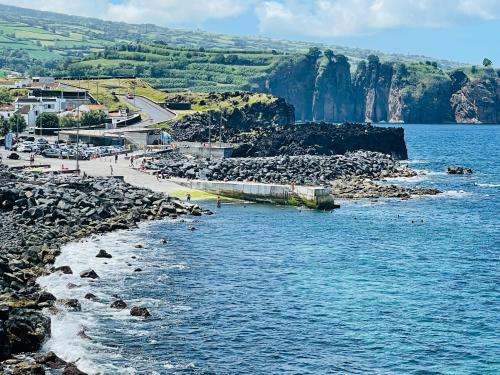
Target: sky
[(460, 30)]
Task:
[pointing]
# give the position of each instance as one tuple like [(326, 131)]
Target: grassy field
[(104, 90), (65, 35)]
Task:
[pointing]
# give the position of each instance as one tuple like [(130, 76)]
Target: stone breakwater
[(350, 175), (38, 214)]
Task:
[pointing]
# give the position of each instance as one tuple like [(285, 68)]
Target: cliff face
[(332, 97), (477, 101), (322, 88), (294, 80)]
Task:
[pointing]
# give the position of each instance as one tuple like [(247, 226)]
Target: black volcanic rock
[(103, 254), (323, 139)]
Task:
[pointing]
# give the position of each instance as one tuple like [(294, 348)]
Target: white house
[(30, 107), (28, 114), (7, 110)]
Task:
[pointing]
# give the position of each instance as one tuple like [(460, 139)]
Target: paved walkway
[(102, 167)]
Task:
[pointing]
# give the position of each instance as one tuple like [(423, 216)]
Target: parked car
[(41, 141), (51, 152), (25, 147), (13, 156)]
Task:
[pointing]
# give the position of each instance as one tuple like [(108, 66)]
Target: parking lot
[(61, 149)]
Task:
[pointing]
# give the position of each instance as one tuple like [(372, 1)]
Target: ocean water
[(376, 287)]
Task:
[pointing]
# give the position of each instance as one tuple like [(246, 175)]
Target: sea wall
[(313, 197)]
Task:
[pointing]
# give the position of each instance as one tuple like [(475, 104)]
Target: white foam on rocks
[(93, 356)]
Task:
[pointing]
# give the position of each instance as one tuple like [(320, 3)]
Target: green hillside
[(45, 36)]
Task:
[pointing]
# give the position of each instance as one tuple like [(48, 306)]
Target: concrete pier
[(311, 196)]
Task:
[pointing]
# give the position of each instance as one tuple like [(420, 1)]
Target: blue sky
[(461, 30)]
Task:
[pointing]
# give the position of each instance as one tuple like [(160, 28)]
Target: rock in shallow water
[(103, 254), (91, 297), (89, 274), (71, 369), (119, 304), (71, 304), (459, 170), (140, 311)]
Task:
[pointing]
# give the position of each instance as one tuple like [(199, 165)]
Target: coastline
[(41, 213), (157, 206)]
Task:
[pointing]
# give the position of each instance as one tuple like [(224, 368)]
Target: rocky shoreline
[(38, 214), (351, 175)]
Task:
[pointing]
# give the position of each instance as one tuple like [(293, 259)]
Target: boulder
[(459, 170), (28, 368), (50, 359), (103, 254), (44, 296), (91, 297), (89, 274), (140, 311), (5, 345), (71, 369), (26, 330), (119, 304), (64, 269), (71, 304)]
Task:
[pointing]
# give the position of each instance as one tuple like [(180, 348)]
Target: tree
[(5, 95), (329, 54), (68, 122), (313, 53), (47, 121), (17, 123), (4, 126), (487, 62), (373, 60), (94, 118)]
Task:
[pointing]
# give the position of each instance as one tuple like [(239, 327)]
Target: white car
[(24, 147)]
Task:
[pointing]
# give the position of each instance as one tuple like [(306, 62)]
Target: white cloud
[(327, 18), (315, 18), (160, 12), (165, 12)]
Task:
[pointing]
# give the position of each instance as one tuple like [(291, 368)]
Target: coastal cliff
[(323, 87)]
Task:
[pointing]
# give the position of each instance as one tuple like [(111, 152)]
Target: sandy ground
[(106, 167)]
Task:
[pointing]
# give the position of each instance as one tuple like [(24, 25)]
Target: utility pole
[(78, 130), (41, 120), (220, 129), (210, 136), (134, 84)]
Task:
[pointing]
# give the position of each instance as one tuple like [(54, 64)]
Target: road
[(105, 166), (155, 113)]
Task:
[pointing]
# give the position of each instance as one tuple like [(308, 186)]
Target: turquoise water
[(384, 287)]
